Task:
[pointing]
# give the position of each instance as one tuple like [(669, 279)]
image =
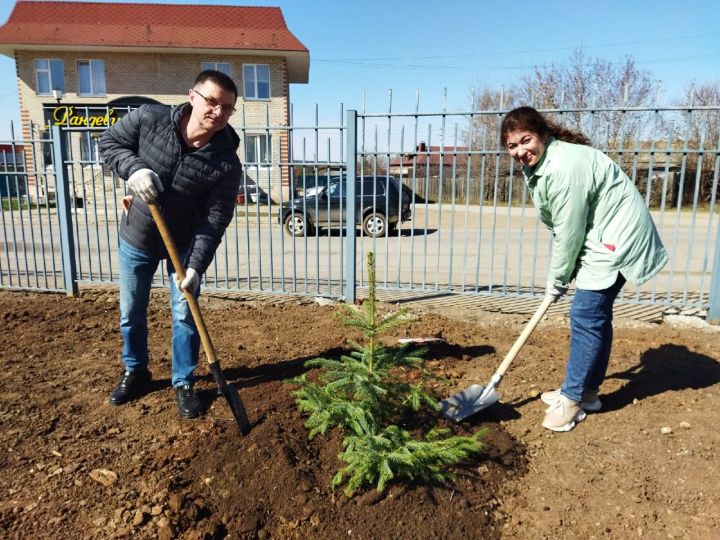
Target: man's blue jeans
[(591, 336), (136, 272)]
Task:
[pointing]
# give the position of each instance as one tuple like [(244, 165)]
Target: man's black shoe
[(188, 403), (132, 385)]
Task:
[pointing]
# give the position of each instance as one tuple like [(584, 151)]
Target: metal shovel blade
[(238, 409), (473, 399), (476, 397), (232, 397)]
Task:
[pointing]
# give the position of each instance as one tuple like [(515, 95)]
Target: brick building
[(84, 64)]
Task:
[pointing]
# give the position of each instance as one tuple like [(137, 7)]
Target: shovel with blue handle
[(476, 397)]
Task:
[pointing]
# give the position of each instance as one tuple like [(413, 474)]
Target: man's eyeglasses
[(226, 109)]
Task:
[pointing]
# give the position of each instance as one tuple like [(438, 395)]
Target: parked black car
[(380, 204)]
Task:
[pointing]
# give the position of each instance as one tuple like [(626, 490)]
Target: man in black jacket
[(185, 159)]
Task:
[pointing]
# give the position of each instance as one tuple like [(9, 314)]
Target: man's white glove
[(554, 290), (146, 184), (191, 282)]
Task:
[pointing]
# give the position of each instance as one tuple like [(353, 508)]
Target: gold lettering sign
[(67, 116)]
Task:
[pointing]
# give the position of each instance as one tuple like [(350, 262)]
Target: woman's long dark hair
[(528, 119)]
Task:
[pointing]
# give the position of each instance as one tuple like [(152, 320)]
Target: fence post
[(64, 207), (351, 145), (713, 314)]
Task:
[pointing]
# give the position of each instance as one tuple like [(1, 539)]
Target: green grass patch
[(14, 203)]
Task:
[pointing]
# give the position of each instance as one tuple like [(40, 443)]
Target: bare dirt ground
[(71, 465)]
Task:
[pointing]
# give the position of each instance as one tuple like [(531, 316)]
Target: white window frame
[(45, 153), (216, 67), (93, 92), (89, 148), (254, 83), (260, 140), (59, 85)]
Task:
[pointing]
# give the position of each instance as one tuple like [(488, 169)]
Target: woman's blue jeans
[(136, 273), (591, 336)]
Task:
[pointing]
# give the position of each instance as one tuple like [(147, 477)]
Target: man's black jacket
[(200, 187)]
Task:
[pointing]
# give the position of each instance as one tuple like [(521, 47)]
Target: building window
[(49, 75), (46, 145), (223, 67), (91, 77), (89, 145), (256, 81), (258, 150)]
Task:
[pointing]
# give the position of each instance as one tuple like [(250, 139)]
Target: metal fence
[(472, 228)]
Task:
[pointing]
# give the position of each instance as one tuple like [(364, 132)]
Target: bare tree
[(701, 132), (590, 83), (576, 93), (592, 95), (584, 82), (703, 123), (483, 136)]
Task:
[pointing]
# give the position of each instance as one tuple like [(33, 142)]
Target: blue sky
[(445, 48)]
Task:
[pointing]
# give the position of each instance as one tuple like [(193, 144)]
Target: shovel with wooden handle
[(477, 397), (228, 391)]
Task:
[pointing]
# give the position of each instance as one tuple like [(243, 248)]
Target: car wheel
[(296, 224), (375, 225)]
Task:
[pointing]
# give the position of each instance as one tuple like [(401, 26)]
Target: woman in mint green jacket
[(603, 236)]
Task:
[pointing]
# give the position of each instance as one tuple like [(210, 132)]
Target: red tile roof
[(8, 149), (153, 25), (44, 24)]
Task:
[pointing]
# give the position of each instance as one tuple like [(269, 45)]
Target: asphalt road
[(462, 248)]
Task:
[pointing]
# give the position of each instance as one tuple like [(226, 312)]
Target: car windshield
[(336, 189), (366, 186)]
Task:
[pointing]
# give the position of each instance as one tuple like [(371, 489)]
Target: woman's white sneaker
[(590, 401), (563, 415)]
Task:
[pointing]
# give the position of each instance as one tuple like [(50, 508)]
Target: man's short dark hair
[(219, 78)]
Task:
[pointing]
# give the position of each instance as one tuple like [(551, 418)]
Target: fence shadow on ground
[(246, 377), (287, 369), (442, 350), (668, 367), (415, 232), (495, 413), (404, 233)]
